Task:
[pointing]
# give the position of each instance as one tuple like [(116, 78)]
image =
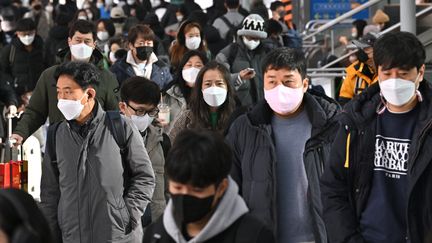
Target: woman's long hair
[(178, 49), (184, 90), (201, 110)]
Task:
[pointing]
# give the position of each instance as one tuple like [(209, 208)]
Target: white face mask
[(354, 34), (81, 52), (80, 4), (142, 122), (71, 109), (282, 99), (49, 8), (27, 39), (99, 5), (6, 26), (112, 57), (179, 18), (190, 74), (155, 3), (130, 2), (82, 17), (398, 91), (193, 43), (102, 35), (214, 96), (251, 44)]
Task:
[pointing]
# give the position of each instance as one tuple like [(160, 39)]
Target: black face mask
[(362, 56), (189, 209), (144, 52)]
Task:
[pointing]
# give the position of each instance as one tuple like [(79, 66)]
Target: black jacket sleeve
[(7, 94), (338, 213)]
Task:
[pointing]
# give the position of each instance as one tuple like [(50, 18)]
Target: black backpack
[(231, 35), (115, 124)]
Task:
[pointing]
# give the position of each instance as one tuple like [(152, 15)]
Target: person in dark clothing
[(8, 100), (57, 36), (8, 23), (204, 205), (280, 147), (377, 186), (141, 59), (22, 61), (21, 220)]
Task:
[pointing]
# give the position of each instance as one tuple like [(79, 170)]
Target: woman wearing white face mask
[(189, 37), (22, 61), (178, 92), (212, 102), (105, 30)]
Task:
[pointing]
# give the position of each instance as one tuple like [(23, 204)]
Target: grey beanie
[(253, 26)]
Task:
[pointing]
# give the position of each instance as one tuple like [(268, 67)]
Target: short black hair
[(83, 73), (140, 90), (26, 24), (273, 27), (84, 27), (140, 30), (399, 49), (232, 3), (284, 57), (276, 4), (198, 157)]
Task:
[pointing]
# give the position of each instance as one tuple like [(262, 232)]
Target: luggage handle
[(10, 142)]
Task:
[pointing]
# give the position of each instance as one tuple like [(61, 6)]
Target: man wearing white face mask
[(41, 17), (22, 61), (243, 59), (43, 104), (378, 185), (95, 186), (140, 98), (280, 147)]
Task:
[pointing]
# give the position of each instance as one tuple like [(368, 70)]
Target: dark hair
[(200, 158), (284, 57), (359, 24), (399, 49), (200, 109), (273, 27), (83, 73), (21, 219), (276, 4), (140, 30), (140, 90), (179, 80), (232, 3), (116, 40), (84, 27), (26, 24), (109, 26)]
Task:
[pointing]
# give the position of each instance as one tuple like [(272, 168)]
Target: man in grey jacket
[(85, 194)]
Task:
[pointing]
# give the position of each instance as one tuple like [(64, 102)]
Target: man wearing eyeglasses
[(140, 98)]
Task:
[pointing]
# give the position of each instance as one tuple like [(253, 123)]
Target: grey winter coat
[(251, 91), (82, 192), (251, 138), (153, 139), (177, 104)]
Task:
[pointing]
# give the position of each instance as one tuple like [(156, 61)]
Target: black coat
[(246, 229), (23, 68), (251, 139), (345, 187)]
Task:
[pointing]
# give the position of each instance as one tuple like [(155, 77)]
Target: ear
[(305, 84), (122, 107), (130, 46), (69, 41), (421, 73), (91, 93), (221, 188)]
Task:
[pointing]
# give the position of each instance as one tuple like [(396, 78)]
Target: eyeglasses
[(138, 112)]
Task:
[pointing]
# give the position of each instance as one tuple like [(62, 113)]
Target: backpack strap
[(116, 125), (226, 21), (233, 50), (12, 55), (50, 149)]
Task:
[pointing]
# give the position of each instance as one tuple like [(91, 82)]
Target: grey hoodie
[(229, 209)]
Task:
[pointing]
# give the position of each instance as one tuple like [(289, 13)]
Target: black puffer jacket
[(345, 186), (255, 159), (20, 67)]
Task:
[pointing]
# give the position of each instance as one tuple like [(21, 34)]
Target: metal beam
[(408, 16)]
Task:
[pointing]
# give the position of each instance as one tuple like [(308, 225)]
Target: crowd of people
[(171, 124)]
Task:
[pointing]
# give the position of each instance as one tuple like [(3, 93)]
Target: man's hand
[(12, 110), (17, 139), (247, 74)]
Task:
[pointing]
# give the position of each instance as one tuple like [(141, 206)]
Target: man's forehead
[(81, 35), (284, 71)]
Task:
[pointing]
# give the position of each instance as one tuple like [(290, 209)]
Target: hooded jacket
[(251, 139), (43, 103), (220, 228), (347, 181), (83, 195), (177, 103)]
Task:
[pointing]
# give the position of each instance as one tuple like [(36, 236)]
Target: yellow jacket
[(359, 77)]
